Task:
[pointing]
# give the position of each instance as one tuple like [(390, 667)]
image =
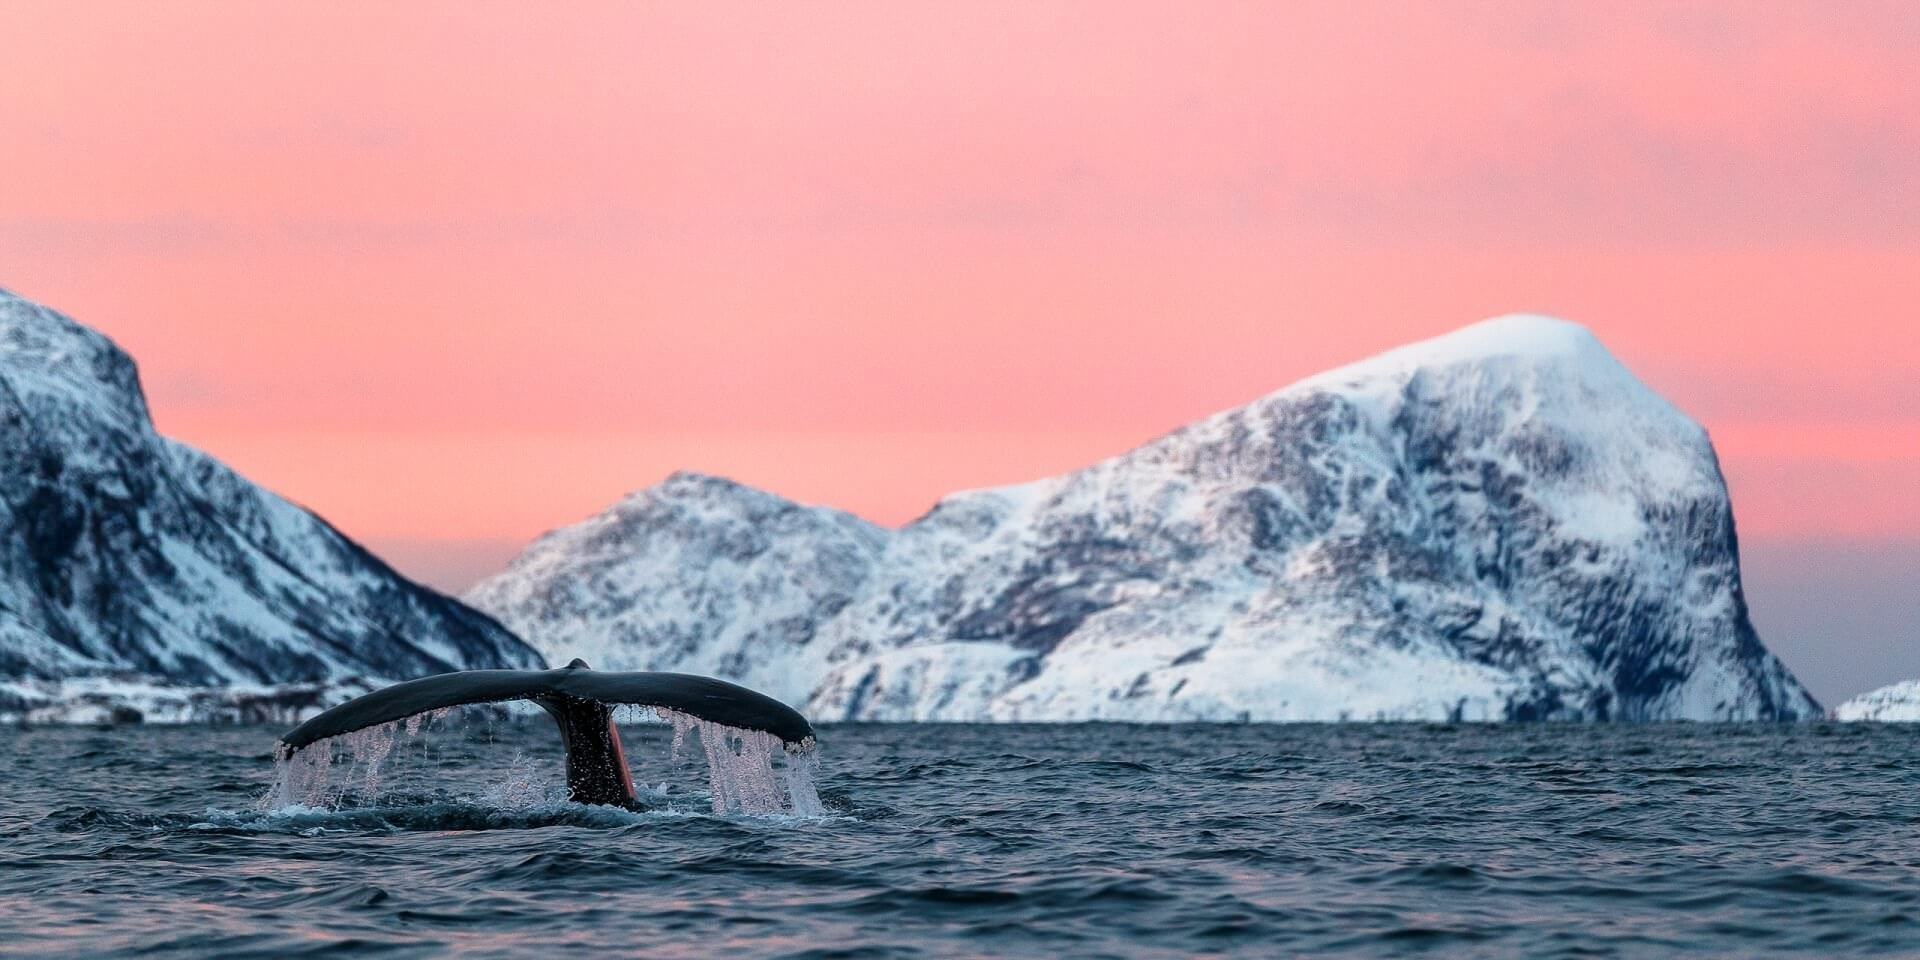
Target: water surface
[(1045, 841)]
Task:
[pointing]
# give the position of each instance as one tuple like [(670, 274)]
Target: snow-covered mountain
[(113, 701), (1895, 703), (124, 553), (698, 575), (1499, 523)]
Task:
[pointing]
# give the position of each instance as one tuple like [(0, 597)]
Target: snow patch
[(1895, 703)]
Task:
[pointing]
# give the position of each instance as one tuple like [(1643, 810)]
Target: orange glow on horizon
[(458, 273)]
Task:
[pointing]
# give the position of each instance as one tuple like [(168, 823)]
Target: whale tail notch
[(580, 701)]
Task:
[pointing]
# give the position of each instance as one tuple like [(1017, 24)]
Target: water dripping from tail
[(749, 772), (315, 777)]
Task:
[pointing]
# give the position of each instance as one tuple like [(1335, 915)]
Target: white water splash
[(307, 778), (525, 785), (418, 720), (369, 747), (798, 774), (300, 779), (749, 772)]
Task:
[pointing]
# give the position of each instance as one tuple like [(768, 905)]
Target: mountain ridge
[(133, 554), (1501, 522)]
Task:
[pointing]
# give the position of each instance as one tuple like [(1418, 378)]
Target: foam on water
[(524, 786)]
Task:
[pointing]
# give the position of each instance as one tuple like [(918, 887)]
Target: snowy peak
[(1520, 335), (1502, 522), (687, 488), (1515, 341), (32, 336), (55, 360), (122, 552), (683, 498), (1535, 365), (698, 574)]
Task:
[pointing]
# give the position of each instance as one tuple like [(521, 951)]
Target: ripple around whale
[(1051, 841)]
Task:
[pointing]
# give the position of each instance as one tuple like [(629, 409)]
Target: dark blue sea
[(1030, 841)]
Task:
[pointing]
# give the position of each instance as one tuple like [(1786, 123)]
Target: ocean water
[(1041, 841)]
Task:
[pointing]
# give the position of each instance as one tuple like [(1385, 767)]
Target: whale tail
[(580, 702)]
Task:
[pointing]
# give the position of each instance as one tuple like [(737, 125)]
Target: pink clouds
[(467, 272)]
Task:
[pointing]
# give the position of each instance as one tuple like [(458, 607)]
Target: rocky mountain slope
[(1501, 523), (1895, 703), (124, 553)]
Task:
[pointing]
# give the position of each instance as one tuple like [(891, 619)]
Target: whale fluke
[(578, 699)]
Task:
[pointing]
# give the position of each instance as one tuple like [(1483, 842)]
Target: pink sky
[(456, 274)]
